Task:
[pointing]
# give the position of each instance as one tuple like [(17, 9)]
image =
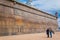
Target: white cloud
[(38, 2), (47, 4)]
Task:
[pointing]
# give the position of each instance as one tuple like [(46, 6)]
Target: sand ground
[(34, 36)]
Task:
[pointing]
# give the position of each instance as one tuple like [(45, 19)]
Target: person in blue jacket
[(51, 32)]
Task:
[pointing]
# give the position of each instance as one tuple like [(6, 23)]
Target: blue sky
[(49, 6)]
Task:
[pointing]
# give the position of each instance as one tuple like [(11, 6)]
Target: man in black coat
[(47, 32)]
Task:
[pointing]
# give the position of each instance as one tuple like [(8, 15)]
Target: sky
[(49, 6)]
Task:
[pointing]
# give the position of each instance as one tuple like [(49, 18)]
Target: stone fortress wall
[(18, 18)]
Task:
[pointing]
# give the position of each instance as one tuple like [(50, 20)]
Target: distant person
[(51, 32), (47, 32)]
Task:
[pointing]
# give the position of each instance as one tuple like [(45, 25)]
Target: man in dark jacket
[(47, 32)]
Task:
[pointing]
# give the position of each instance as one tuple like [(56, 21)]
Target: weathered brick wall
[(18, 18)]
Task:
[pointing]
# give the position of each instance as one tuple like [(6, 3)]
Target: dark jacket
[(47, 31)]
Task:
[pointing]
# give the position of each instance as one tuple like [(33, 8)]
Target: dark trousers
[(48, 35)]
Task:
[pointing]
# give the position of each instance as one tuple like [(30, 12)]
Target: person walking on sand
[(51, 32), (47, 32)]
